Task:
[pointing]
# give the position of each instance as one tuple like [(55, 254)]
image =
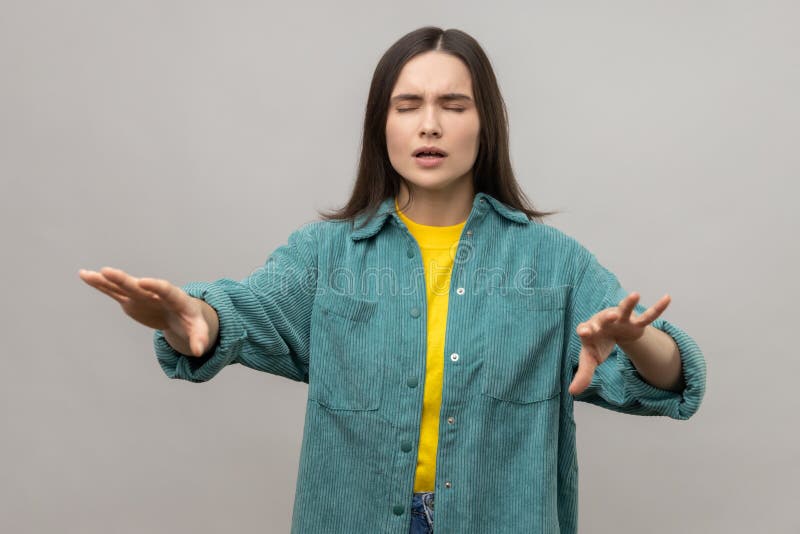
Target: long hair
[(492, 172)]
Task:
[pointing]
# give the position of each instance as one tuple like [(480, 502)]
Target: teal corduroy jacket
[(342, 307)]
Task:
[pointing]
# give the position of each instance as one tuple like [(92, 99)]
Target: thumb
[(583, 376), (198, 344), (198, 340)]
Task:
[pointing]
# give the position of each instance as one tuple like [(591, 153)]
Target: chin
[(433, 181), (433, 185)]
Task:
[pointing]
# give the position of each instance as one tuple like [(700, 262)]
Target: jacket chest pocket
[(345, 372), (522, 360)]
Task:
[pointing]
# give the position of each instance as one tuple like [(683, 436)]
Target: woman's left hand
[(609, 327)]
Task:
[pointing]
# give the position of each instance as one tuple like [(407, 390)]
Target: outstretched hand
[(607, 328), (158, 304)]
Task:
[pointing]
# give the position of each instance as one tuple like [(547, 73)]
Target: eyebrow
[(447, 97)]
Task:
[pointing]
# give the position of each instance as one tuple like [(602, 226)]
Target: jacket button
[(451, 420), (448, 484), (454, 357), (460, 290), (405, 446), (398, 510), (410, 253), (412, 382), (414, 312)]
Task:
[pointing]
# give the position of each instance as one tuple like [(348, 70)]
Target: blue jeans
[(422, 513)]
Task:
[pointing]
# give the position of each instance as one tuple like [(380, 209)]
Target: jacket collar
[(386, 209)]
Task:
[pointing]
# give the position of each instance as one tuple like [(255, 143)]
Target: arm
[(616, 383), (263, 320), (657, 358)]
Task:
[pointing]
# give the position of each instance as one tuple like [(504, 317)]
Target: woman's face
[(432, 104)]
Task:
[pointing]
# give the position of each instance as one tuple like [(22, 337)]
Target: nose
[(430, 125), (431, 131)]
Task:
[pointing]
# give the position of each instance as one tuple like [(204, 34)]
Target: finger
[(584, 330), (198, 338), (97, 281), (587, 330), (198, 344), (196, 347), (166, 292), (126, 282), (598, 322), (609, 315), (122, 299), (597, 327), (593, 354), (627, 305), (583, 376), (652, 313)]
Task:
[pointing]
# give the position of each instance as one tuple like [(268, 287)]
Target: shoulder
[(325, 231), (556, 242), (559, 258), (321, 231), (319, 236)]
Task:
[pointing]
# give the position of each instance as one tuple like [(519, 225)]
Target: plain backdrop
[(186, 139)]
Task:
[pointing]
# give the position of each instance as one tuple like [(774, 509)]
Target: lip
[(428, 163), (428, 148)]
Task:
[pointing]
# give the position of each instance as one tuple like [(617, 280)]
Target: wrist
[(632, 346)]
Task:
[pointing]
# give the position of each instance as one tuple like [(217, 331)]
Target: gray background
[(186, 140)]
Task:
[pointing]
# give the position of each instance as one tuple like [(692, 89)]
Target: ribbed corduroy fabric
[(343, 309)]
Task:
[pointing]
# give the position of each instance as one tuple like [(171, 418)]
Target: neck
[(444, 207)]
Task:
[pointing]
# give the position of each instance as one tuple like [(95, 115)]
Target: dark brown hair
[(492, 172)]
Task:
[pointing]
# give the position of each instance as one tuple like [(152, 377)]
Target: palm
[(154, 313), (607, 328), (148, 312), (155, 303)]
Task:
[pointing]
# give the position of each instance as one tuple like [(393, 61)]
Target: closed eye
[(401, 110)]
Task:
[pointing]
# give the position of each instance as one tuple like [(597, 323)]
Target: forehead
[(434, 73)]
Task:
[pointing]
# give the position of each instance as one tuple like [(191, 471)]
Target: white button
[(454, 357), (451, 420), (448, 484), (469, 232), (460, 290)]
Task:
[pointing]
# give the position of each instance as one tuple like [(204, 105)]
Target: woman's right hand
[(158, 304)]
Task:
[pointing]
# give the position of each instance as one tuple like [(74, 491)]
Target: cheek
[(476, 137), (391, 133), (469, 137), (396, 138)]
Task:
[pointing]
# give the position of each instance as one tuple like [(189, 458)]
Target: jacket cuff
[(677, 405), (226, 350)]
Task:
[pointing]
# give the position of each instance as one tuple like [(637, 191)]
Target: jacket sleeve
[(616, 384), (264, 319)]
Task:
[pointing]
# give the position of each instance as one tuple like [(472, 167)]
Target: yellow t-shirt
[(438, 246)]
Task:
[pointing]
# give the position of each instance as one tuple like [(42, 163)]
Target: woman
[(444, 331)]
